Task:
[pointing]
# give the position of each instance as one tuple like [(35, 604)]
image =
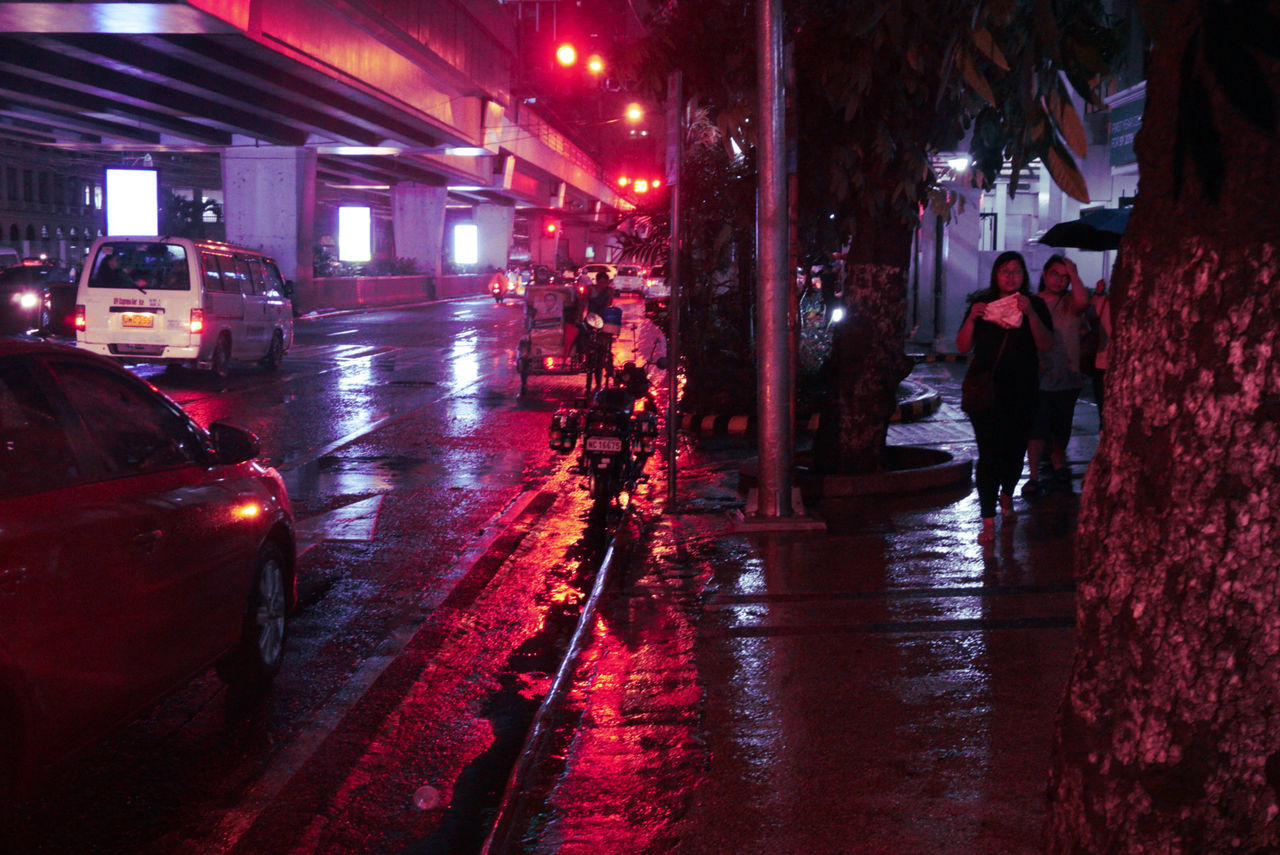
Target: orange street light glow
[(634, 112), (624, 181), (595, 64), (566, 54)]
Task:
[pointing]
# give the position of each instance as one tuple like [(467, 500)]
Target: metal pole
[(675, 269), (775, 433)]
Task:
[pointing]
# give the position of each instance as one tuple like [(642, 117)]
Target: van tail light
[(197, 321), (80, 321)]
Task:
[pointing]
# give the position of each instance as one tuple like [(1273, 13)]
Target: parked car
[(137, 550), (176, 301), (39, 299), (629, 279), (9, 257)]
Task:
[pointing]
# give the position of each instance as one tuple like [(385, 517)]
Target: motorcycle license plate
[(145, 320), (603, 443)]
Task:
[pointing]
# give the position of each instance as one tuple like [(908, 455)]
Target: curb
[(940, 357), (923, 402)]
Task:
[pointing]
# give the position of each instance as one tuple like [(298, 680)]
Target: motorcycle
[(619, 431), (502, 287)]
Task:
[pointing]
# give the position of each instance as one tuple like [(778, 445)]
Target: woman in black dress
[(1006, 338)]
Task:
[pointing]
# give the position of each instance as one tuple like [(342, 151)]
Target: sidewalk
[(883, 687)]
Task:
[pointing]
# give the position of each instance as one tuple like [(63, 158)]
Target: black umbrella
[(1100, 229)]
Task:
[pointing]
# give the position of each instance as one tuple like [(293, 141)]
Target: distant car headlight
[(28, 300)]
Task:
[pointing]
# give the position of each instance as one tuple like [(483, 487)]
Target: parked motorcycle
[(619, 431)]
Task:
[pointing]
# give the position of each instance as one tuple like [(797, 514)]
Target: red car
[(136, 550)]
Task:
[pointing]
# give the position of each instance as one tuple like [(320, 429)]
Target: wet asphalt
[(885, 686)]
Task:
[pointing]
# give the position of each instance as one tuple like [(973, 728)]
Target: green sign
[(1125, 120)]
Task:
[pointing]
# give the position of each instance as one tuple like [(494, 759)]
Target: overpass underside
[(371, 103)]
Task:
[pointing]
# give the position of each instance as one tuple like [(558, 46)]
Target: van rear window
[(149, 266)]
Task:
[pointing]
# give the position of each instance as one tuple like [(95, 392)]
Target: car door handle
[(148, 539)]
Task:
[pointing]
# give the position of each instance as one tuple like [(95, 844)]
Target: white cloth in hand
[(1004, 312)]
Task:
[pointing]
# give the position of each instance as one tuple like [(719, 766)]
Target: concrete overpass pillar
[(270, 203), (576, 238), (417, 219), (495, 223)]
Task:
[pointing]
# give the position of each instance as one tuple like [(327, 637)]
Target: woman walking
[(1007, 328), (1060, 378)]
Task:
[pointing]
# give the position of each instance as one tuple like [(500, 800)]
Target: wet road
[(445, 551)]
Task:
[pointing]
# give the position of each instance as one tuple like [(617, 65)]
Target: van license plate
[(603, 443), (138, 319)]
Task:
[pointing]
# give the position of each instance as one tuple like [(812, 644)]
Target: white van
[(179, 301)]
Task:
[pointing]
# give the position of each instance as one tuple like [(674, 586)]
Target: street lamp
[(634, 112)]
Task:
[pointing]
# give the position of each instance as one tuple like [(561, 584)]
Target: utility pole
[(675, 269), (776, 432)]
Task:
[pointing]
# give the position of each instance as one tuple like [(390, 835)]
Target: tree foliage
[(183, 217), (879, 90)]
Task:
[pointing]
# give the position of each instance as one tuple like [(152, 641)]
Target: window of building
[(28, 186), (11, 182)]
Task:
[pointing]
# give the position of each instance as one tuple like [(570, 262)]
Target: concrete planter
[(910, 469)]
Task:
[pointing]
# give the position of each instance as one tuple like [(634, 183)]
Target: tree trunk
[(1169, 735), (868, 361)]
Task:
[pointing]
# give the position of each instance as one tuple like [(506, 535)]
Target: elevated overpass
[(292, 107)]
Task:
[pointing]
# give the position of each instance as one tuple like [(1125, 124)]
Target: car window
[(35, 454), (274, 281), (143, 265), (212, 272), (238, 269), (255, 276), (135, 429)]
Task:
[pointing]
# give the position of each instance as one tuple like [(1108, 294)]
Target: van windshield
[(149, 266)]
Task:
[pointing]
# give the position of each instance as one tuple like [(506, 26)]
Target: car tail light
[(80, 321), (197, 321)]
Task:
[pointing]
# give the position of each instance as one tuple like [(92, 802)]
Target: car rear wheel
[(220, 362), (275, 353), (254, 663)]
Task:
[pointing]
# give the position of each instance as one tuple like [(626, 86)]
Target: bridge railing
[(359, 292)]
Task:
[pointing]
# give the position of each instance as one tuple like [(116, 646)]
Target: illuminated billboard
[(133, 201)]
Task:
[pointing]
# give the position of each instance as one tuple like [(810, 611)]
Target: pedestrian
[(1060, 377), (1100, 306), (1007, 328), (599, 294)]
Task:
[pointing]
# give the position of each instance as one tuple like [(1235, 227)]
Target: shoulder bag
[(978, 390)]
